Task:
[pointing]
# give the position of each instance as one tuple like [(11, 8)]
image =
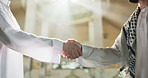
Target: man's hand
[(72, 49)]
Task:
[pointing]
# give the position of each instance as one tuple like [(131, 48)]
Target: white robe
[(142, 44), (15, 43)]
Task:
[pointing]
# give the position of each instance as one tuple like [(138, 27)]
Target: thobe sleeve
[(96, 57), (37, 47), (6, 2)]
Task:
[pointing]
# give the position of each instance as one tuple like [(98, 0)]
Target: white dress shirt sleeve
[(37, 47), (96, 57)]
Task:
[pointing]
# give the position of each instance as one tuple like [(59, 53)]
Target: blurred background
[(93, 22)]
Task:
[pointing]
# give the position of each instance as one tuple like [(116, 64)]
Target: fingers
[(78, 45), (69, 57), (72, 49), (66, 55), (79, 49), (72, 53), (76, 49), (69, 48)]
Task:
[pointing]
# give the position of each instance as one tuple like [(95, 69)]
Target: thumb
[(78, 44), (71, 41)]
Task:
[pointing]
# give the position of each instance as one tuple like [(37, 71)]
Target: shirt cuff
[(57, 49)]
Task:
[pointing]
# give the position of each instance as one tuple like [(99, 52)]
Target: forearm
[(40, 48), (93, 57), (37, 47)]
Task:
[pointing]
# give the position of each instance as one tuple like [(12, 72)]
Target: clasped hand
[(72, 49)]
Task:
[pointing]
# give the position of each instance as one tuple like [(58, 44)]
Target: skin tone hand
[(75, 42), (72, 49)]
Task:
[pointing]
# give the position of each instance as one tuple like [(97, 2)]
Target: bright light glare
[(64, 1), (74, 1)]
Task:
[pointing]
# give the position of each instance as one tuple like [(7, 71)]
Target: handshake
[(72, 49)]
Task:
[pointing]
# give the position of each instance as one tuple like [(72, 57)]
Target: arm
[(40, 48), (37, 47), (93, 57)]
